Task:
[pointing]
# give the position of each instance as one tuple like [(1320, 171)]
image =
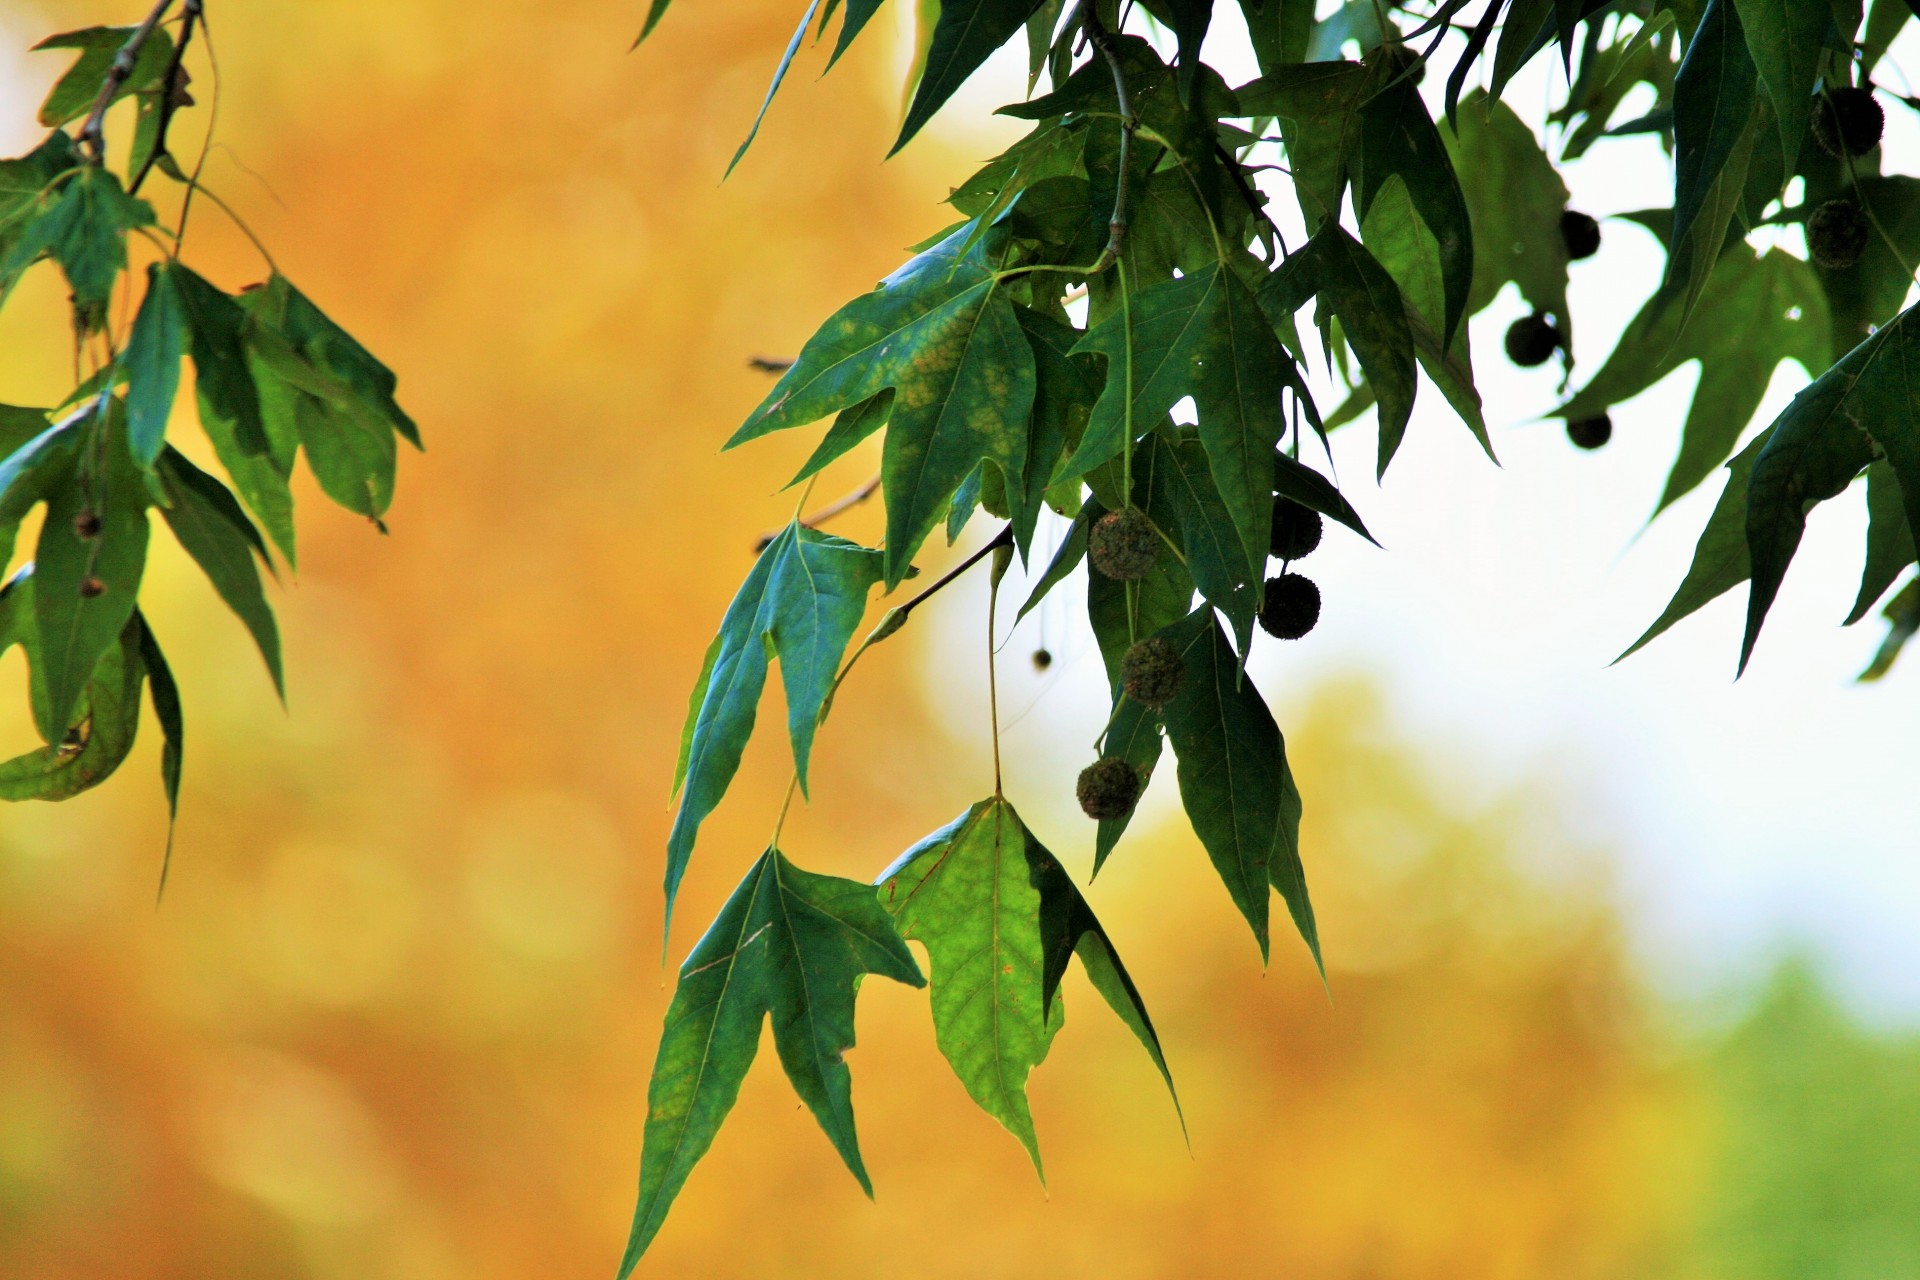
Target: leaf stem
[(824, 514)]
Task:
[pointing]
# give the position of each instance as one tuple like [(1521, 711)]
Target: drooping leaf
[(961, 370), (1825, 438), (1869, 293), (84, 587), (210, 525), (801, 602), (1066, 386), (23, 184), (106, 716), (998, 918), (1350, 285), (1204, 528), (166, 709), (779, 74), (1238, 791), (1296, 480), (967, 34), (1785, 39), (1134, 735), (82, 224), (1713, 101), (788, 943), (1279, 30), (1318, 105), (1890, 545), (1903, 623), (38, 460), (1754, 312), (152, 360), (1515, 199)]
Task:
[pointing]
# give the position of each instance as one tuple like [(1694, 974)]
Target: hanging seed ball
[(1837, 234), (1580, 233), (1108, 788), (86, 526), (1296, 529), (1291, 606), (1124, 544), (1590, 433), (1150, 672), (1042, 659), (1848, 122), (92, 588), (1531, 340)]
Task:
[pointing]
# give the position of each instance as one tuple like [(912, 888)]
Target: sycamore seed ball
[(1108, 788), (1150, 672), (1848, 122), (1590, 433), (1042, 659), (1531, 340), (1296, 529), (1291, 606), (1124, 544), (1580, 233), (1837, 234)]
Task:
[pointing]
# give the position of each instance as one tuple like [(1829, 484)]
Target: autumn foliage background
[(395, 1015)]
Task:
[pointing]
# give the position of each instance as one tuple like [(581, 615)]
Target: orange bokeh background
[(395, 1015)]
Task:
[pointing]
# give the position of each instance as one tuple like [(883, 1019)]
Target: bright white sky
[(1743, 816)]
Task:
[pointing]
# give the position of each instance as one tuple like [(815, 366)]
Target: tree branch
[(1102, 41), (93, 129), (170, 92), (825, 513)]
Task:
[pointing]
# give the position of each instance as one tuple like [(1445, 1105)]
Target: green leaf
[(1133, 734), (1785, 39), (1869, 293), (1296, 480), (166, 709), (967, 34), (1348, 283), (210, 525), (80, 620), (32, 469), (1204, 529), (1188, 20), (152, 360), (962, 373), (1754, 312), (1397, 137), (1065, 387), (1713, 101), (216, 338), (1720, 560), (1825, 438), (106, 718), (779, 74), (23, 184), (998, 918), (1885, 20), (788, 943), (1318, 105), (1890, 545), (1903, 622), (74, 93), (1515, 199), (1279, 30), (1234, 780), (1073, 549), (801, 602), (82, 224), (1205, 336)]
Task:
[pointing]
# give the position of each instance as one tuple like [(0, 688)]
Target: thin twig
[(824, 514), (93, 130), (172, 88), (767, 364)]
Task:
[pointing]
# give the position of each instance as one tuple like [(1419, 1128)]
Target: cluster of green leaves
[(273, 377), (1136, 189)]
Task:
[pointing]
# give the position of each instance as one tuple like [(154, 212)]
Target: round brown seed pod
[(1296, 529), (1290, 607), (1108, 788), (1590, 433), (1837, 234), (1150, 672), (1531, 340), (1848, 122), (1124, 544), (1580, 233), (1042, 659)]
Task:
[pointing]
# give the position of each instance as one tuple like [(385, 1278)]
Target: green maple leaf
[(966, 35), (790, 944), (1514, 198), (1753, 312), (948, 345), (801, 602), (998, 918), (1203, 335)]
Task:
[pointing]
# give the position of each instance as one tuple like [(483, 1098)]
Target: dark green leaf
[(105, 721), (801, 603), (1318, 105), (1515, 199), (82, 224), (962, 374), (1890, 546), (32, 469), (1066, 386), (166, 709), (73, 95), (966, 35), (1903, 623), (1869, 293), (1205, 530), (1785, 39), (788, 943), (1296, 480), (1234, 780), (1713, 100), (210, 525)]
